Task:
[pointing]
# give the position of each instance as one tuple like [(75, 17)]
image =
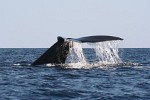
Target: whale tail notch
[(57, 53)]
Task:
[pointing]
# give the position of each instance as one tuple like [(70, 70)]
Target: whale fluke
[(93, 39), (57, 53)]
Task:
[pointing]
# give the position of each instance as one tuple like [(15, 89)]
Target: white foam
[(17, 64), (20, 64)]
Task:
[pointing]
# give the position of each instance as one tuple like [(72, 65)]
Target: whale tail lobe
[(58, 53)]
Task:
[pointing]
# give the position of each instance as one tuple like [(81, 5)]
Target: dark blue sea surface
[(20, 81)]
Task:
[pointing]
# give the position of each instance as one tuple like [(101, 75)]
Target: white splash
[(105, 55), (107, 52), (76, 54), (19, 64)]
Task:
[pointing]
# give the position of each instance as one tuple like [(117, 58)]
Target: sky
[(37, 23)]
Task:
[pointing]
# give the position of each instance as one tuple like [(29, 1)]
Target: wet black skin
[(58, 53), (55, 54)]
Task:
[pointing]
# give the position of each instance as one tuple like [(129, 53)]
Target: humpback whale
[(58, 52)]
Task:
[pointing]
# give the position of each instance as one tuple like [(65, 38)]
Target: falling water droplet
[(76, 54), (107, 52)]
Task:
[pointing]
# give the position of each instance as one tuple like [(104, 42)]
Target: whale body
[(58, 52)]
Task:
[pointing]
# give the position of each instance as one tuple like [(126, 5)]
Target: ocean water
[(127, 81)]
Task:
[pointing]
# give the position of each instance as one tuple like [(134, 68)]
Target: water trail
[(76, 54), (106, 52)]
